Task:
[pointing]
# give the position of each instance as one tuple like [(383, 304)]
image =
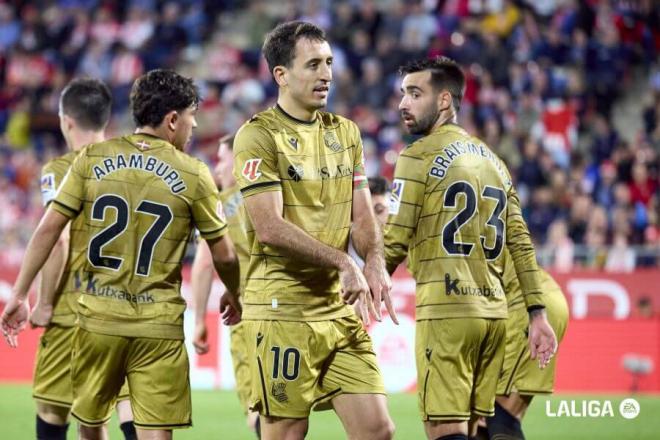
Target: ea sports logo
[(629, 408)]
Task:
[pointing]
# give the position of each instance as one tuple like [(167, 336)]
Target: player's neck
[(157, 132), (81, 138), (295, 112), (444, 119)]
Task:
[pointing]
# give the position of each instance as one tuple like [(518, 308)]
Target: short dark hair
[(279, 48), (87, 101), (378, 185), (157, 93), (445, 74)]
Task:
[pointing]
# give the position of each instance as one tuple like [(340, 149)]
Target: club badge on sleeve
[(251, 169)]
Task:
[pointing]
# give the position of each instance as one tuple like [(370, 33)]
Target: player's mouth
[(321, 91), (408, 119)]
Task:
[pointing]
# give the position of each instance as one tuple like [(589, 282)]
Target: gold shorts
[(157, 371), (52, 371), (458, 362), (239, 357), (520, 373), (297, 366)]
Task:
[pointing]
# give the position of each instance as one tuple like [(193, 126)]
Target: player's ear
[(279, 73), (444, 100), (171, 119)]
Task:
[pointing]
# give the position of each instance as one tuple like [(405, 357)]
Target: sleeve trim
[(70, 210), (259, 185)]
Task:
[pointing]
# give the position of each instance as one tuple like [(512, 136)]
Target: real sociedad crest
[(331, 141)]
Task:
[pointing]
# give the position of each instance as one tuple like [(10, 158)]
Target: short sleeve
[(359, 174), (255, 161), (207, 211), (70, 194), (48, 184), (406, 201)]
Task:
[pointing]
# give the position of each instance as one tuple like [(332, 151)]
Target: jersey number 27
[(163, 216)]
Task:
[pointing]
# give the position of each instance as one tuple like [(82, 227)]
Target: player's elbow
[(267, 234), (227, 258)]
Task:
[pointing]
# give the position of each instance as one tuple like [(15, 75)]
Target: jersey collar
[(293, 119)]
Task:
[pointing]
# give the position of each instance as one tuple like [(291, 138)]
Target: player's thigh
[(276, 428), (98, 372), (447, 353), (488, 367), (521, 374), (352, 368), (159, 383), (287, 361), (52, 372), (364, 416), (238, 344), (516, 350)]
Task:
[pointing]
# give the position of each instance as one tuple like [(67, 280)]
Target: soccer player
[(453, 211), (133, 202), (84, 113), (380, 190), (520, 378), (301, 174), (202, 277)]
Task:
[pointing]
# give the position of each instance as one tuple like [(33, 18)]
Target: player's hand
[(200, 341), (41, 315), (353, 283), (230, 309), (542, 339), (14, 319), (362, 310), (380, 285)]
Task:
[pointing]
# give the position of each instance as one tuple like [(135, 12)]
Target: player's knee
[(90, 432), (383, 430), (50, 431)]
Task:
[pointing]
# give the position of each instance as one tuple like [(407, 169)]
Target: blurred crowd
[(567, 92)]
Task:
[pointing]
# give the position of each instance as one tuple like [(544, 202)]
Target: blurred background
[(567, 92)]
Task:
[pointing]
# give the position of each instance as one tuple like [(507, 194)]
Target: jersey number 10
[(163, 216)]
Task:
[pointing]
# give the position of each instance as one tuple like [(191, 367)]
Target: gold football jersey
[(316, 166), (453, 210), (134, 201), (232, 203), (551, 291), (52, 174)]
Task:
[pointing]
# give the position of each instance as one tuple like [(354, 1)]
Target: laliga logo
[(629, 408)]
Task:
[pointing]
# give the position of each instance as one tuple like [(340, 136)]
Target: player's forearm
[(292, 241), (520, 246), (368, 240), (38, 250), (229, 274), (201, 274)]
